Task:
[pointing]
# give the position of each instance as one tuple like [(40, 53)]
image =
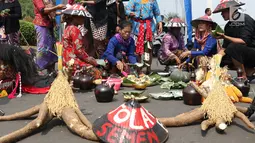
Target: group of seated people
[(238, 47), (120, 49), (239, 43)]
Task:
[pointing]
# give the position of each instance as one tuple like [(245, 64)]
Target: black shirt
[(244, 30), (112, 16), (11, 22), (98, 12)]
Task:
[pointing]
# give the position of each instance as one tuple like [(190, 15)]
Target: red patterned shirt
[(73, 46), (41, 19)]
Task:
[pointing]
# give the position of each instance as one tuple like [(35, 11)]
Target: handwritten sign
[(130, 123), (114, 134), (137, 119)]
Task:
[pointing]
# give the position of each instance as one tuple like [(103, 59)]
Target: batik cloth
[(143, 11), (99, 33), (45, 47), (170, 48), (74, 53)]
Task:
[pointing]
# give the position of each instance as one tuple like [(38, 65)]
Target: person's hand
[(92, 61), (61, 6), (125, 66), (120, 65), (132, 14), (160, 27), (185, 54), (58, 13), (4, 14), (178, 61), (117, 2), (180, 66), (220, 35)]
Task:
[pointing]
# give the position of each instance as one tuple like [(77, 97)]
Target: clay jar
[(104, 93), (241, 84), (191, 96), (86, 81), (76, 79)]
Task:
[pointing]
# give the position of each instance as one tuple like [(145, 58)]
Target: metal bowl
[(140, 86)]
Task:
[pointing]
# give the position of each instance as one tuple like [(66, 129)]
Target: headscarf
[(122, 41), (201, 39)]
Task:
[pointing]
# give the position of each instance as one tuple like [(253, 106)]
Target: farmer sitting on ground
[(205, 44), (121, 49), (173, 44), (73, 47), (239, 39)]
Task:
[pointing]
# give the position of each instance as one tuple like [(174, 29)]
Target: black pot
[(86, 82), (191, 96), (105, 74), (242, 85), (76, 80), (104, 93)]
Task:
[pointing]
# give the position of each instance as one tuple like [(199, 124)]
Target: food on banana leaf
[(217, 29), (173, 94), (139, 96), (173, 85), (128, 80), (148, 79)]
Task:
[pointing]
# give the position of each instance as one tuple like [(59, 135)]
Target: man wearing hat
[(239, 40)]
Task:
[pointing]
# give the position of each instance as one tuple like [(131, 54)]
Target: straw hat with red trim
[(175, 22), (76, 10), (130, 122), (225, 4), (205, 18)]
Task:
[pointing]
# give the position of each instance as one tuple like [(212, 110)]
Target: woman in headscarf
[(142, 13), (172, 44), (121, 49), (44, 23), (74, 52), (205, 44), (10, 14), (96, 26)]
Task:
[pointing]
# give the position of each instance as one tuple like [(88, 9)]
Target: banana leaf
[(175, 94), (173, 85), (217, 29), (135, 93), (154, 77), (5, 11), (125, 80)]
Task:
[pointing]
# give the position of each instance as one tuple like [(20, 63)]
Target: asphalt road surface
[(57, 132)]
